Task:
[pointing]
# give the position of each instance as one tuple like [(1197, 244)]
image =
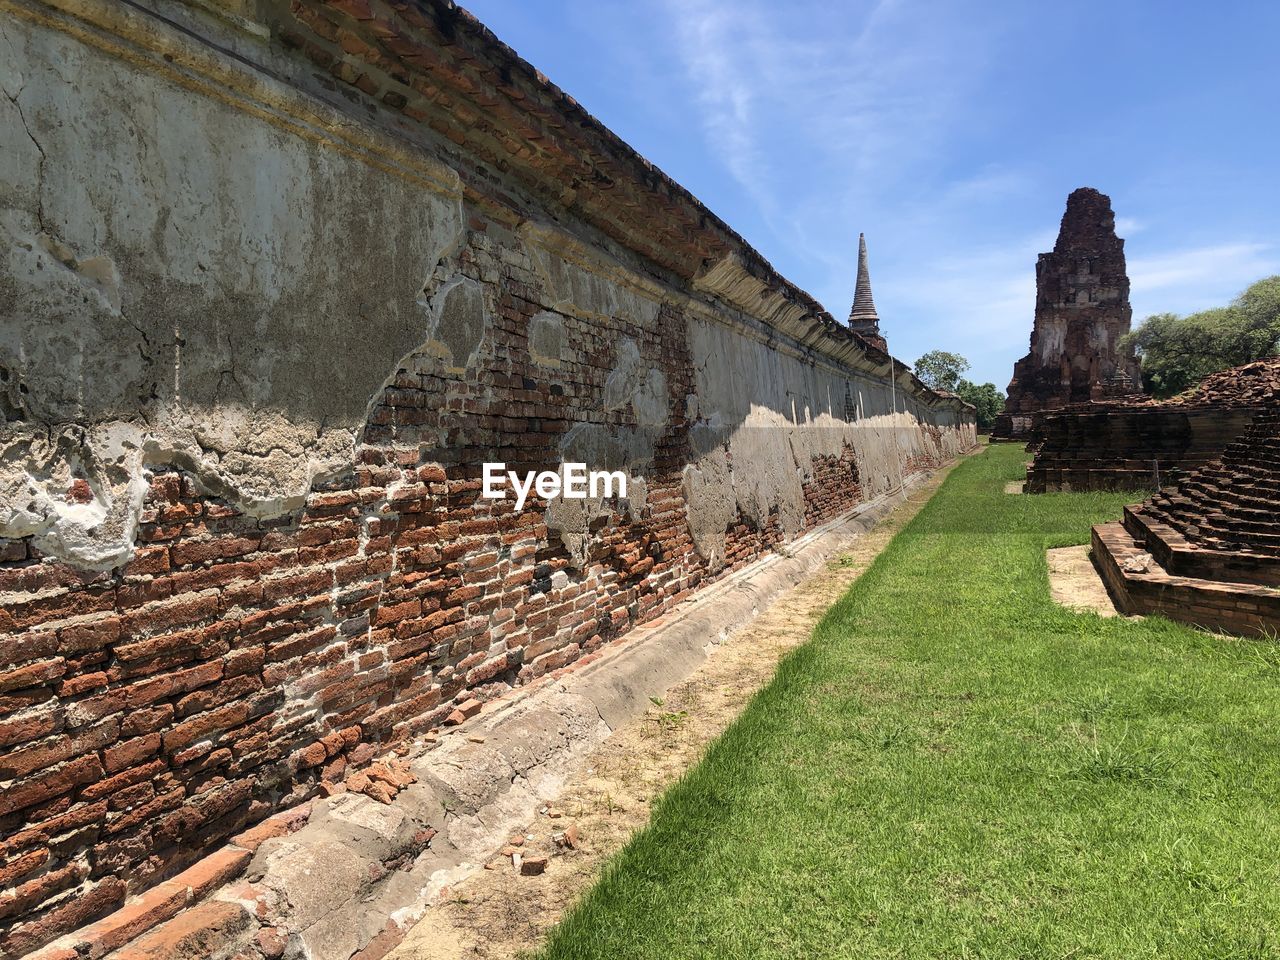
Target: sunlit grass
[(954, 766)]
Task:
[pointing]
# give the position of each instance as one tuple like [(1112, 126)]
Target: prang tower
[(863, 319), (1082, 311)]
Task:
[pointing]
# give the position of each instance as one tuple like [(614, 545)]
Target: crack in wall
[(15, 99)]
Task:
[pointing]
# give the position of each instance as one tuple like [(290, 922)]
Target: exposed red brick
[(47, 753), (92, 635), (33, 790), (130, 752), (216, 548), (1081, 288), (33, 674), (28, 646), (168, 614), (94, 901), (205, 930), (40, 889), (275, 826), (381, 945), (20, 866), (31, 725), (135, 917), (205, 724)]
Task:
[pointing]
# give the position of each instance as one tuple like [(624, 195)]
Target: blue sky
[(950, 133)]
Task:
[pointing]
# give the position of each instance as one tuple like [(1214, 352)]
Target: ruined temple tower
[(1082, 311), (863, 319)]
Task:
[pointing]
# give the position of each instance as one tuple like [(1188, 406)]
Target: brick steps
[(1182, 557), (1239, 608), (1231, 505), (1214, 538)]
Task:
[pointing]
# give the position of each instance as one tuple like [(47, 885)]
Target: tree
[(988, 401), (1178, 352), (940, 370)]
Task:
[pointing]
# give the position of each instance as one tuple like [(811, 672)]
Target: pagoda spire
[(863, 319)]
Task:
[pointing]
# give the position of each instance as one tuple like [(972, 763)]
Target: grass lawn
[(955, 767)]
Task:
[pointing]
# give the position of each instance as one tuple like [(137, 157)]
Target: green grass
[(954, 766)]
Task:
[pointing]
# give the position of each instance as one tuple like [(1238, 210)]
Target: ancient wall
[(1082, 312), (279, 279)]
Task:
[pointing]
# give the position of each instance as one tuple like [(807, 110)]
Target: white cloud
[(1230, 266), (980, 304), (711, 37), (793, 94), (1194, 279)]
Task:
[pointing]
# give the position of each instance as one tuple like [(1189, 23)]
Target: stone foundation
[(1244, 609), (1138, 443)]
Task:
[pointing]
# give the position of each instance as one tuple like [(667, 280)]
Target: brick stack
[(1252, 384)]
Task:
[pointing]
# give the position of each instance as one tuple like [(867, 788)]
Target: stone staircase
[(1223, 520)]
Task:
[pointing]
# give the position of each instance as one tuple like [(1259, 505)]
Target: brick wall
[(1103, 446), (251, 575)]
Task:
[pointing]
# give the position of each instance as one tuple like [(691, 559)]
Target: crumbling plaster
[(759, 416), (242, 326), (161, 304)]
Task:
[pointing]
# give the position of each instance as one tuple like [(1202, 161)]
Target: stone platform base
[(1074, 582), (1240, 608)]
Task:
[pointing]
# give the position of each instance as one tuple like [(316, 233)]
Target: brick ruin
[(1138, 443), (281, 277), (1082, 311), (1206, 551)]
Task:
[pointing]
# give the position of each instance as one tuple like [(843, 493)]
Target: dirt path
[(1075, 582), (498, 912)]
